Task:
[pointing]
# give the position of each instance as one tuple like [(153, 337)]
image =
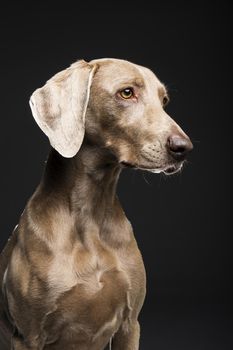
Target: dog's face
[(119, 106), (126, 115)]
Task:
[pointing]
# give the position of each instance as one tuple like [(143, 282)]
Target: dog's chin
[(168, 170)]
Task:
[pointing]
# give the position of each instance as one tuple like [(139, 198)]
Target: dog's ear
[(59, 107)]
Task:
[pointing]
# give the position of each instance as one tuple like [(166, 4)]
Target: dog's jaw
[(168, 170)]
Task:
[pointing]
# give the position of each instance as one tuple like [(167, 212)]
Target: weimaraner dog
[(72, 276)]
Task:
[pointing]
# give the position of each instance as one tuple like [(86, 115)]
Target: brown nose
[(178, 146)]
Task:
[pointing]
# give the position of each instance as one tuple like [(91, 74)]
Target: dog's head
[(118, 106)]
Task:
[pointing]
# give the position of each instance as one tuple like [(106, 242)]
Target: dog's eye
[(165, 100), (126, 93)]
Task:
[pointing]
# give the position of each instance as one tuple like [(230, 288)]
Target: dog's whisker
[(144, 177)]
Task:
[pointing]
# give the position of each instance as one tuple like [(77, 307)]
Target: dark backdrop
[(181, 222)]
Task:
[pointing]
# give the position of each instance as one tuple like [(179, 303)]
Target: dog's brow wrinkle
[(136, 82), (139, 82)]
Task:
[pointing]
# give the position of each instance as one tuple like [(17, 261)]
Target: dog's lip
[(172, 169), (168, 170)]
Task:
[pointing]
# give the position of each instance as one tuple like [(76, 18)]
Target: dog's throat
[(89, 180)]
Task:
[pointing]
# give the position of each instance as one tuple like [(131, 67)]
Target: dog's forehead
[(115, 71)]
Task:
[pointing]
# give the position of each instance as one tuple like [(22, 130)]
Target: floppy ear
[(59, 107)]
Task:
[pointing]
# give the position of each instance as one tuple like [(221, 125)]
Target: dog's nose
[(178, 146)]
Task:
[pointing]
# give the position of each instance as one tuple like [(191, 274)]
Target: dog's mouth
[(168, 170), (172, 169)]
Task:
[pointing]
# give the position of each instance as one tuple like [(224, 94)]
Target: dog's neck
[(86, 184), (96, 178)]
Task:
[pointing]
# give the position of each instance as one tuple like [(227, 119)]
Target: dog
[(72, 276)]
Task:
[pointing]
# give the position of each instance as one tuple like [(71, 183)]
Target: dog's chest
[(91, 289)]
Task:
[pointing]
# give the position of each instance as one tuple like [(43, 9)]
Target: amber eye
[(165, 100), (126, 93)]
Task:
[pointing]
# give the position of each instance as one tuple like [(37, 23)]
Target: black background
[(181, 222)]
